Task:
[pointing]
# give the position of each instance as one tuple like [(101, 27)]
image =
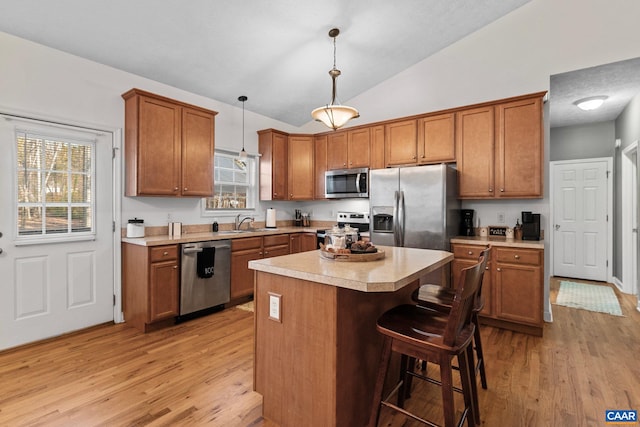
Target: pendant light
[(242, 154), (334, 115)]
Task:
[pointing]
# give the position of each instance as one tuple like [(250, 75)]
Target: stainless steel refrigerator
[(414, 207)]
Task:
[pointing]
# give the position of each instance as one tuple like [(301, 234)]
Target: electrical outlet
[(500, 217), (274, 307)]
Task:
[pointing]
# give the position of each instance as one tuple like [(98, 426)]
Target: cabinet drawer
[(246, 243), (518, 256), (276, 239), (468, 251), (164, 253)]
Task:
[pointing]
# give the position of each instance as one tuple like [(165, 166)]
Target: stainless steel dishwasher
[(205, 275)]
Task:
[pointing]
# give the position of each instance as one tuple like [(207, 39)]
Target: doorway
[(629, 161), (581, 205)]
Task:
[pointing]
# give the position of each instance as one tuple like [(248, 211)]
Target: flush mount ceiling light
[(590, 103), (334, 115), (242, 154)]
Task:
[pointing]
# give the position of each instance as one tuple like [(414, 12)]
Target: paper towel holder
[(270, 221)]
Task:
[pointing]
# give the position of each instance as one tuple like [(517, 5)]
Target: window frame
[(62, 237), (253, 184)]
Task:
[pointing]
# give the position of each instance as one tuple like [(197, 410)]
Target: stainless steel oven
[(346, 183)]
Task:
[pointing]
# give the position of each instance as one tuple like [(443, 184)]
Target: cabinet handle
[(491, 190), (266, 252), (175, 188), (470, 253), (185, 189), (516, 256), (414, 157), (486, 268), (498, 269), (502, 190), (165, 253), (175, 267)]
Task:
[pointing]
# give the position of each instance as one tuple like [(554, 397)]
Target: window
[(55, 186), (235, 183)]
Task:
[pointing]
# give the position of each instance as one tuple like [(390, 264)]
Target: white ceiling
[(278, 53)]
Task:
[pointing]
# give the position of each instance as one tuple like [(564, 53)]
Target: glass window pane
[(29, 220), (80, 158), (56, 187), (80, 219), (80, 188), (29, 188), (56, 155), (56, 220)]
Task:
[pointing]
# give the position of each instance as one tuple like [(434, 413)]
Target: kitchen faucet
[(239, 223)]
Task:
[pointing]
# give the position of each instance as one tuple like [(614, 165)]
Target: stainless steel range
[(359, 220)]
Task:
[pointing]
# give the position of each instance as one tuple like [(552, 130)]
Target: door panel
[(53, 288), (580, 220)]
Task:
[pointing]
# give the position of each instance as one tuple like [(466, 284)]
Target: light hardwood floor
[(200, 373)]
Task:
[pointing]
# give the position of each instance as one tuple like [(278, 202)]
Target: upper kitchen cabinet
[(348, 149), (500, 149), (377, 147), (475, 152), (169, 147), (272, 145), (301, 180), (436, 139), (519, 155), (320, 164), (401, 143)]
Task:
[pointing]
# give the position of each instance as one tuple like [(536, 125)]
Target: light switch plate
[(275, 306)]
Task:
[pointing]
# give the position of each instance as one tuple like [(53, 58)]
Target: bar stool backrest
[(460, 314)]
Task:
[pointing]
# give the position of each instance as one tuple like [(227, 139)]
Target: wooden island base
[(317, 366)]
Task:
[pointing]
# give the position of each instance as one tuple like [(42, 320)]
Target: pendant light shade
[(334, 115), (242, 154)]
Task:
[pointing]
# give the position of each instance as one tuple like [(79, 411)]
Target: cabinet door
[(475, 153), (308, 242), (241, 275), (159, 153), (337, 150), (358, 148), (400, 143), (272, 146), (519, 149), (436, 142), (301, 173), (518, 293), (456, 267), (320, 164), (280, 158), (377, 148), (294, 243), (271, 251), (164, 296), (197, 153)]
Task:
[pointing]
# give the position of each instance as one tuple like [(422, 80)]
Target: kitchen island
[(316, 344)]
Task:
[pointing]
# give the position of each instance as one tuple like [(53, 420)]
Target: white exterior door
[(580, 207), (63, 282)]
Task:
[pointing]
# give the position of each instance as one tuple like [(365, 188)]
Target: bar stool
[(440, 298), (421, 333)]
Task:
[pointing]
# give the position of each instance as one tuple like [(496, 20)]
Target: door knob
[(557, 226), (0, 250)]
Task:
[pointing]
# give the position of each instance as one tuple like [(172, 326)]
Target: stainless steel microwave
[(344, 183)]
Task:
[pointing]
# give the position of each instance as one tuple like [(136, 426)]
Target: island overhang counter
[(316, 344)]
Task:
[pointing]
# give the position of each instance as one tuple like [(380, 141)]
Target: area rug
[(246, 306), (588, 297)]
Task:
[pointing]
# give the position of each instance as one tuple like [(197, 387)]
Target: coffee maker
[(530, 226), (466, 222)]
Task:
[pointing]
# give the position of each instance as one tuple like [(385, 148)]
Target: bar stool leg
[(473, 387), (477, 341), (446, 378)]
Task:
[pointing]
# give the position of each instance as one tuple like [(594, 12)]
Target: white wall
[(43, 82)]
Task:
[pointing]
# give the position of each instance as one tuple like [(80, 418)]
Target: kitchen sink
[(246, 230)]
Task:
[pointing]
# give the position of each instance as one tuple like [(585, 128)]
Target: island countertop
[(400, 267)]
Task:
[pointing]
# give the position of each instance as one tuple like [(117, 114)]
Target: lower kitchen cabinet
[(302, 242), (250, 248), (513, 285), (150, 283)]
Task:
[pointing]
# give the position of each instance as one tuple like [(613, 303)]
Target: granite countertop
[(204, 236), (400, 267), (499, 241)]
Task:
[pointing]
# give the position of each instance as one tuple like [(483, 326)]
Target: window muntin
[(235, 183), (55, 186)]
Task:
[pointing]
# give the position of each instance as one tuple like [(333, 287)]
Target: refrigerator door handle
[(401, 217), (396, 219)]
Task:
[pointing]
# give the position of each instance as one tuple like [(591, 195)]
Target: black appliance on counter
[(530, 226), (466, 222)]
